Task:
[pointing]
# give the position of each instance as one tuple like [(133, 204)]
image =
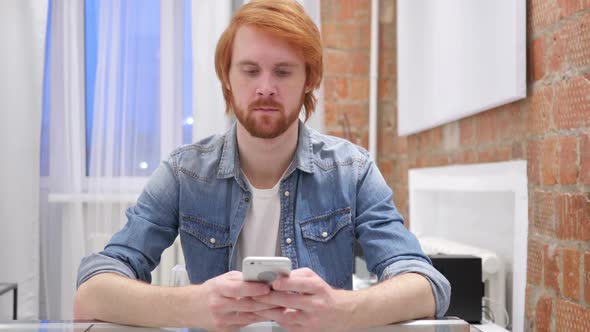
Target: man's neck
[(265, 160)]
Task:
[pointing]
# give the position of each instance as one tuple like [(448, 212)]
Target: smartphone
[(265, 269)]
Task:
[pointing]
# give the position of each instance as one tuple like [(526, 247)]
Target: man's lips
[(266, 109)]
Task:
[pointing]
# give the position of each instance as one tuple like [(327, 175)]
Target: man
[(270, 186)]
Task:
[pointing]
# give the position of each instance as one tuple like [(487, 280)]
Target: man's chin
[(266, 127), (266, 133)]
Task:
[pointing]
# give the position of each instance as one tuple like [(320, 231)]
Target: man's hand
[(229, 302), (305, 302)]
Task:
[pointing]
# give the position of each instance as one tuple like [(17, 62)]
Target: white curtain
[(138, 115), (22, 36), (98, 167), (209, 19), (126, 131), (62, 240)]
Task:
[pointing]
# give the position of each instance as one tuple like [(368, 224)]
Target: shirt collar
[(229, 164)]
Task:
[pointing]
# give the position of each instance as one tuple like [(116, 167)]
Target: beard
[(266, 125)]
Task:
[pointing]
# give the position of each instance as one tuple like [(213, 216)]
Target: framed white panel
[(481, 205), (457, 58)]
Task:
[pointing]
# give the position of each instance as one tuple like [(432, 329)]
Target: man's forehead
[(253, 45)]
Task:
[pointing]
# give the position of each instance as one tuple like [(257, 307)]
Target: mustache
[(265, 103)]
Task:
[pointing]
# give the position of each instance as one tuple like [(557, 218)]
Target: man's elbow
[(82, 303)]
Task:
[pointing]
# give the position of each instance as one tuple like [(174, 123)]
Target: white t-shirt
[(259, 235)]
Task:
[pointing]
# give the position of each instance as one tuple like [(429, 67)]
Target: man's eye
[(251, 72), (283, 73)]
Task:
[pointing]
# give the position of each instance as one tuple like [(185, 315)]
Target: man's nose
[(266, 87)]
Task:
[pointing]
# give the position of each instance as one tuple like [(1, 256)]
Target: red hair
[(285, 19)]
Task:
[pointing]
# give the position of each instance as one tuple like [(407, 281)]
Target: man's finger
[(283, 316), (233, 275), (239, 288), (246, 304), (307, 284), (303, 272), (287, 300)]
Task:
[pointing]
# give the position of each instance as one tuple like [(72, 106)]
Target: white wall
[(22, 39)]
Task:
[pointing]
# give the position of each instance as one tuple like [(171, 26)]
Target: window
[(130, 129)]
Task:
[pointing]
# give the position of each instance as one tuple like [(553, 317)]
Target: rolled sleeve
[(152, 226), (98, 263), (441, 288)]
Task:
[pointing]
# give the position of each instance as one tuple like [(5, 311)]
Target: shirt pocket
[(206, 247), (329, 240)]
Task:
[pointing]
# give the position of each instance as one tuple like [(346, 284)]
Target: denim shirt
[(331, 195)]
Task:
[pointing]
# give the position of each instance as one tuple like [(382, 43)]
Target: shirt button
[(289, 240), (287, 193), (212, 240), (247, 199), (324, 234)]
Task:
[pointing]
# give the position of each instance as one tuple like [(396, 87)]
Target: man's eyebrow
[(286, 64), (280, 64), (247, 63)]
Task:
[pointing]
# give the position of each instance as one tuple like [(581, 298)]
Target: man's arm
[(113, 298), (318, 307), (404, 297), (107, 285), (213, 305)]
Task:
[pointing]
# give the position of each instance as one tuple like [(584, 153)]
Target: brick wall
[(550, 129), (345, 27)]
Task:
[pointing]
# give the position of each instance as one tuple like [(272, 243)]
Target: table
[(5, 287), (444, 325)]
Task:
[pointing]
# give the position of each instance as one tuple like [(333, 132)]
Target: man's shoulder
[(201, 158), (330, 150)]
